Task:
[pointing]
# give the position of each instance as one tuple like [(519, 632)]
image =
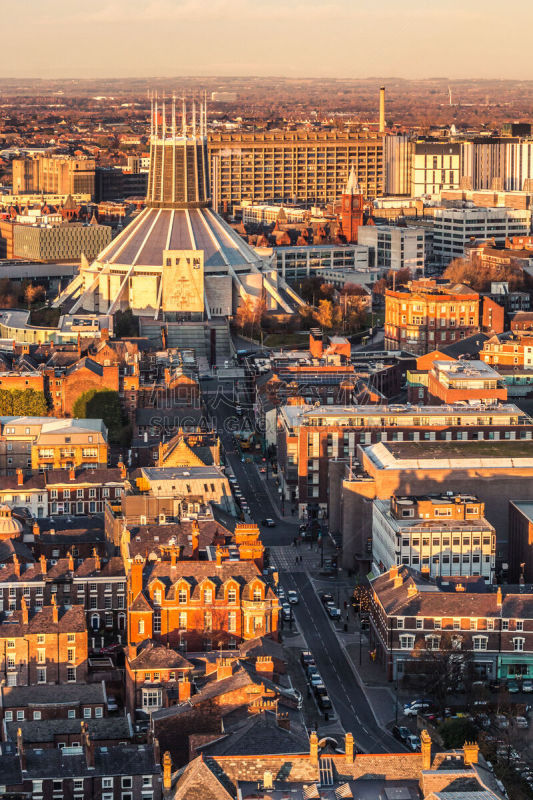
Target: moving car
[(334, 613), (286, 611), (292, 597), (269, 523), (326, 597)]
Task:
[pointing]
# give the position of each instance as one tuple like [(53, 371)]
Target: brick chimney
[(412, 590), (167, 771), (313, 748), (136, 576), (173, 556), (224, 668), (72, 474), (122, 468), (393, 573), (104, 334), (283, 720), (97, 562), (20, 477), (398, 581), (349, 748), (499, 597), (70, 561), (425, 749), (55, 610), (195, 536), (24, 610), (20, 750), (219, 556), (87, 745), (16, 565), (167, 376), (471, 752), (184, 690), (35, 528), (264, 664), (42, 561)]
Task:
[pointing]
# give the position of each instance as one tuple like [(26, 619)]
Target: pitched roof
[(260, 735), (197, 781)]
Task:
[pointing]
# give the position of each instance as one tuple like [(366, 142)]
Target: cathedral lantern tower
[(352, 208)]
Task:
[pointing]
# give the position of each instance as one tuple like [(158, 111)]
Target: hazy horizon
[(345, 39)]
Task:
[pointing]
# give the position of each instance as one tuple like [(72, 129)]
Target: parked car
[(112, 704), (324, 702), (501, 721), (326, 597), (281, 593), (411, 709), (527, 686), (297, 695), (413, 742), (306, 657), (268, 523), (513, 687), (286, 611), (320, 690), (292, 597), (315, 680), (334, 613), (401, 733), (521, 722), (311, 670)]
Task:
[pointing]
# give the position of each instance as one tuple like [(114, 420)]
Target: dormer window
[(208, 596), (182, 596), (257, 595), (232, 595)]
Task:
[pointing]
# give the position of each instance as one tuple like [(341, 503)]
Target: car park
[(292, 597), (401, 733), (413, 742)]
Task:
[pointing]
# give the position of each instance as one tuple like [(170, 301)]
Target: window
[(208, 621), (41, 675), (37, 787), (71, 713), (78, 784), (480, 642), (8, 716), (71, 655), (407, 641), (433, 642), (490, 624), (257, 595), (57, 785), (71, 674), (419, 623), (518, 644), (399, 622), (107, 783), (140, 626), (98, 711), (151, 698), (182, 596), (437, 623), (232, 622), (10, 644), (41, 656), (232, 596), (182, 620), (87, 713), (505, 624), (36, 715), (519, 624), (208, 596)]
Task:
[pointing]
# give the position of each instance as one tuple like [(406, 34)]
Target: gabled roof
[(197, 781), (260, 735)]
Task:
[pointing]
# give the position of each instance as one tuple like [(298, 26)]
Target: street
[(349, 700)]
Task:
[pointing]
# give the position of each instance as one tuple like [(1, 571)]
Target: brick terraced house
[(411, 618)]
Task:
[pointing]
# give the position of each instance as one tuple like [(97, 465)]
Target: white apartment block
[(394, 248), (440, 536), (294, 263), (435, 166), (454, 228)]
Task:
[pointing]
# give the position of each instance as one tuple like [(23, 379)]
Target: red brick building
[(156, 677), (199, 605), (424, 315), (64, 387), (49, 646)]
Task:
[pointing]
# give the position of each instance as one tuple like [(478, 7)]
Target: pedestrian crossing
[(294, 559)]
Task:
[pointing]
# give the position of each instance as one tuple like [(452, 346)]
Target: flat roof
[(504, 454), (467, 369)]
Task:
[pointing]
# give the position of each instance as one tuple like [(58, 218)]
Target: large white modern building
[(394, 247), (434, 166), (454, 228), (441, 536)]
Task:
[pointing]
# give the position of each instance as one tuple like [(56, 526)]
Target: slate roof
[(68, 694), (112, 760), (151, 655), (45, 731), (260, 735), (70, 620), (194, 572)]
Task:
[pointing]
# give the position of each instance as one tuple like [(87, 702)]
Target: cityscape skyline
[(415, 39)]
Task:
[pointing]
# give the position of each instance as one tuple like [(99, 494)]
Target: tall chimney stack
[(382, 110)]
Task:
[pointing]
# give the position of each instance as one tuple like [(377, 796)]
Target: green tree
[(455, 732), (22, 402), (126, 324), (101, 404)]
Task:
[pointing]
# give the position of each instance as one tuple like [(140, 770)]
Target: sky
[(292, 38)]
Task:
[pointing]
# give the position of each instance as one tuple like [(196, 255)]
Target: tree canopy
[(22, 402), (101, 404)]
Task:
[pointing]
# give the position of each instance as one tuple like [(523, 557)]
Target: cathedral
[(177, 261)]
